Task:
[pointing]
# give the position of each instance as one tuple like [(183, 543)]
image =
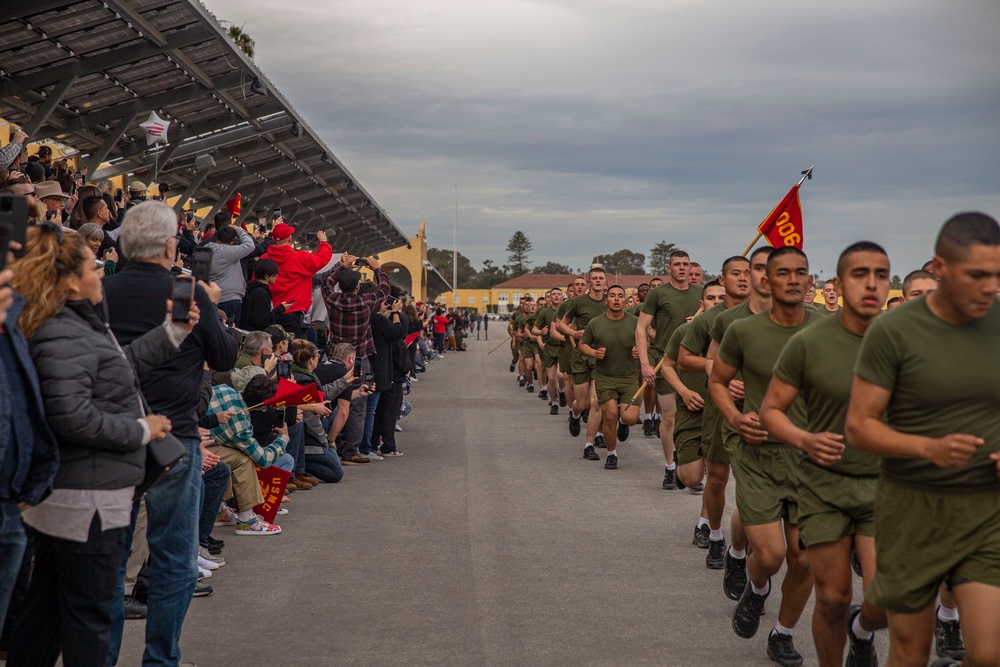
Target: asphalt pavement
[(490, 542)]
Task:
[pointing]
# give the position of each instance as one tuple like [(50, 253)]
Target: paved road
[(490, 542)]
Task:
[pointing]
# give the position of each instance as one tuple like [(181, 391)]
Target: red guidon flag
[(783, 226), (290, 394), (412, 337), (234, 205)]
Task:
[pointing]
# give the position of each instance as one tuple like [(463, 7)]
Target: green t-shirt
[(723, 320), (618, 336), (581, 309), (634, 310), (821, 309), (693, 381), (698, 337), (819, 362), (670, 308), (944, 379), (544, 318), (752, 345)]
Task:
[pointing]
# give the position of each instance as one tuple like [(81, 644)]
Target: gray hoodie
[(227, 272)]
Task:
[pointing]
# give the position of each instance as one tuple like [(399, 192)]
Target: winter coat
[(296, 269), (258, 314)]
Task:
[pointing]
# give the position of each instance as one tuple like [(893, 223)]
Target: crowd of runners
[(857, 439)]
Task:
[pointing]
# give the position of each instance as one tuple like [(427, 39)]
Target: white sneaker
[(205, 564), (205, 574), (413, 379), (203, 553), (399, 429), (394, 452), (282, 511), (372, 456)]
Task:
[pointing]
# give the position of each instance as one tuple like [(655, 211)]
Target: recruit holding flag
[(289, 394), (783, 226)]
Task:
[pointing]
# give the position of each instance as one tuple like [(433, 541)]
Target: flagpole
[(807, 174)]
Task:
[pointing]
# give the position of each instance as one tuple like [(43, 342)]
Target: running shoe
[(590, 454), (715, 559), (562, 399), (948, 639), (735, 578), (669, 479), (781, 649), (647, 428), (599, 441), (543, 394), (553, 409), (256, 526), (700, 538), (860, 652), (611, 463), (622, 431), (574, 425), (746, 615)]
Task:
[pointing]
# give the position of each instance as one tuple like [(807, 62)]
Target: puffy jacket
[(257, 311), (92, 400), (296, 269)]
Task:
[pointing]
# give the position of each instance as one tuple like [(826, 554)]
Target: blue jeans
[(366, 438), (233, 310), (297, 447), (12, 543), (325, 467), (214, 482), (285, 462), (173, 507)]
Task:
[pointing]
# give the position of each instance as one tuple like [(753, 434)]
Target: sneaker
[(356, 460), (735, 578), (715, 559), (543, 394), (393, 453), (585, 415), (256, 526), (521, 381), (647, 428), (669, 479), (214, 544), (553, 409), (656, 426), (201, 590), (530, 388), (574, 425), (226, 516), (562, 399), (948, 639), (203, 573), (746, 615), (205, 564), (946, 662), (622, 431), (590, 454), (599, 441), (860, 652), (696, 489), (372, 456), (203, 552), (282, 511), (611, 463), (513, 367), (399, 429), (781, 649), (701, 540), (855, 563), (134, 610)]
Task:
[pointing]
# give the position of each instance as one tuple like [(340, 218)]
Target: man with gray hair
[(251, 362), (136, 299)]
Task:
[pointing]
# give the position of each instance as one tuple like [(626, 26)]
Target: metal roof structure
[(87, 72)]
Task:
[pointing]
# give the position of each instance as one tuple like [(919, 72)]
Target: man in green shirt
[(692, 393), (831, 303), (517, 331), (609, 339), (575, 288), (924, 399), (579, 312), (765, 469), (917, 283), (550, 347), (666, 308), (836, 482), (691, 358)]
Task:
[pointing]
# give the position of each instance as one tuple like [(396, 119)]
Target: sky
[(596, 125)]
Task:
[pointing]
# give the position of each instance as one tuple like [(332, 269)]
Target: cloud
[(594, 126)]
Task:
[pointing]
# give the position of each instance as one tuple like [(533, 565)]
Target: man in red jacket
[(296, 269)]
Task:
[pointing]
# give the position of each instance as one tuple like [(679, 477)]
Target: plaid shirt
[(238, 433), (9, 153), (351, 314)]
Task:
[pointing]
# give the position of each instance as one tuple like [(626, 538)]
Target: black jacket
[(385, 333), (257, 312), (92, 398), (137, 302)]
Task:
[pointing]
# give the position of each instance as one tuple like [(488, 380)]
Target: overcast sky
[(596, 125)]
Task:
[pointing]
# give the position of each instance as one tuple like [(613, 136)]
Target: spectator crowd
[(128, 329)]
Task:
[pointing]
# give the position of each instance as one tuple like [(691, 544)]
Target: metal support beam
[(101, 154), (45, 110), (191, 189), (251, 203)]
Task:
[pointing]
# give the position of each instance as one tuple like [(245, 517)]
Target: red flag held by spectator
[(290, 394), (412, 337), (783, 226), (234, 205)]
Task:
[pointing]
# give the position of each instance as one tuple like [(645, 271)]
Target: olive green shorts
[(565, 363), (711, 434), (833, 506), (687, 436), (925, 536), (766, 479), (550, 355), (528, 349), (615, 388), (582, 367), (663, 387)]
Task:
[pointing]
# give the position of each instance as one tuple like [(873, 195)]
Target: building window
[(503, 296), (458, 299), (486, 299), (472, 299)]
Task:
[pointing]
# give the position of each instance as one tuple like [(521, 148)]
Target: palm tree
[(243, 40)]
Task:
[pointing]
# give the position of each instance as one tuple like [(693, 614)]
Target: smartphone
[(201, 263), (311, 236), (369, 379), (118, 195), (51, 215), (276, 214), (190, 216), (14, 218), (357, 373), (183, 298), (284, 369), (279, 418)]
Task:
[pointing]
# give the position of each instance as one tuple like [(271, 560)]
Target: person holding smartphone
[(296, 269)]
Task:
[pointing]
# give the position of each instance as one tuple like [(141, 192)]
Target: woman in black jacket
[(94, 406)]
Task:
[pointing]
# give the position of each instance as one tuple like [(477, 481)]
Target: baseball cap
[(136, 186), (277, 333), (44, 150), (282, 231)]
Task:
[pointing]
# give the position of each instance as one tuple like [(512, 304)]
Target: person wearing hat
[(296, 269), (51, 195)]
